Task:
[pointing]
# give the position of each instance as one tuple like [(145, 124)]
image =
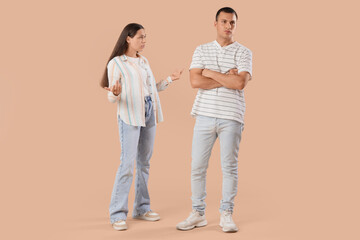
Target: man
[(220, 69)]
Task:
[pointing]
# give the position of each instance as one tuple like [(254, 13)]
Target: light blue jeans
[(206, 130), (136, 145)]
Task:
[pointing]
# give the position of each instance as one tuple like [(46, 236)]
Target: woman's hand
[(115, 89), (176, 75)]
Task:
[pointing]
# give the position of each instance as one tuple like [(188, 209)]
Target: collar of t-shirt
[(225, 47)]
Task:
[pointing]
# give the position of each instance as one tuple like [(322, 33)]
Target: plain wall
[(299, 155)]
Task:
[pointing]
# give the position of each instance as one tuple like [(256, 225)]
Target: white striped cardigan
[(130, 103)]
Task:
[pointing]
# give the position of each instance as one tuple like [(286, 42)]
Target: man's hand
[(206, 73), (233, 71)]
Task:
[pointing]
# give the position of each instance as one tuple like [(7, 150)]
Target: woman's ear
[(127, 39)]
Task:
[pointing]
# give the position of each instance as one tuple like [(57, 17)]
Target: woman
[(131, 83)]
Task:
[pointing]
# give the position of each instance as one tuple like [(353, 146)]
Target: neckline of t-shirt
[(135, 60), (132, 57), (218, 44)]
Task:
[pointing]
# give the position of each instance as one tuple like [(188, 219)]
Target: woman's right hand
[(115, 89)]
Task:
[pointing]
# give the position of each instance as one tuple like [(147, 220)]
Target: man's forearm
[(232, 81), (199, 81), (207, 83)]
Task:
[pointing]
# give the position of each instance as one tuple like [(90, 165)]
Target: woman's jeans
[(136, 145), (206, 130)]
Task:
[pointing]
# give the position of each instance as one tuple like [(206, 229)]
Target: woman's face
[(137, 43)]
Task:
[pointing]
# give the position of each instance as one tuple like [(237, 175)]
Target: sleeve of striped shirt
[(160, 86), (197, 59), (244, 61), (113, 76)]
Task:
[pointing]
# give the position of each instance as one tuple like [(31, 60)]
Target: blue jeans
[(206, 130), (136, 145)]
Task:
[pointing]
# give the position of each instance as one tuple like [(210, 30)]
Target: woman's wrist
[(115, 94)]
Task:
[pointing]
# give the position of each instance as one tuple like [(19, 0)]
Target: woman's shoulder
[(144, 58), (114, 60)]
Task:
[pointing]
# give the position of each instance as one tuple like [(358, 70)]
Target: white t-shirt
[(221, 102), (144, 74)]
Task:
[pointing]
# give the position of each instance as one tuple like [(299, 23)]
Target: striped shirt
[(130, 103), (144, 74), (221, 102)]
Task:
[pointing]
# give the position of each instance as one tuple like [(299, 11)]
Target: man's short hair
[(227, 10)]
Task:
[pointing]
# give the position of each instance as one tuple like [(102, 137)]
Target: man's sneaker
[(227, 223), (148, 216), (119, 225), (194, 220)]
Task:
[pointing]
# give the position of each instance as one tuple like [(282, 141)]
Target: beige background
[(299, 157)]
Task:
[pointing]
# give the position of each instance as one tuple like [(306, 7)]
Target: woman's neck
[(131, 53)]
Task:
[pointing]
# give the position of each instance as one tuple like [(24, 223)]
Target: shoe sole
[(120, 228), (147, 219), (228, 230), (200, 224)]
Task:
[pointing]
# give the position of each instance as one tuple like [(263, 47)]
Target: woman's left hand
[(176, 75)]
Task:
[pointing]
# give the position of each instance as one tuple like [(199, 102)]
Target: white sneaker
[(227, 223), (119, 225), (194, 220), (148, 216)]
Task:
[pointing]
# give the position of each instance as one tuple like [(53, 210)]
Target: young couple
[(220, 70)]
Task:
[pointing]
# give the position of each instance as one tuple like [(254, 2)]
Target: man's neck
[(224, 42)]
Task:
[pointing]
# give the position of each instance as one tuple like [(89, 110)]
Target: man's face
[(226, 25)]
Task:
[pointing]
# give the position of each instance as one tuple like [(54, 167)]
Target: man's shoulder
[(207, 46), (241, 48)]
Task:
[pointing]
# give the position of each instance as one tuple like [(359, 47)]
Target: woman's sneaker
[(227, 223), (148, 216), (119, 225), (194, 220)]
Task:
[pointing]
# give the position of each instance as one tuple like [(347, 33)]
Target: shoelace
[(227, 216), (193, 212)]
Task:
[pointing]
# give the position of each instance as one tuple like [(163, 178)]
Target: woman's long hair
[(120, 48)]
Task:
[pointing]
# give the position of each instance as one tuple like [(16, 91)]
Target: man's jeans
[(206, 130), (136, 144)]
